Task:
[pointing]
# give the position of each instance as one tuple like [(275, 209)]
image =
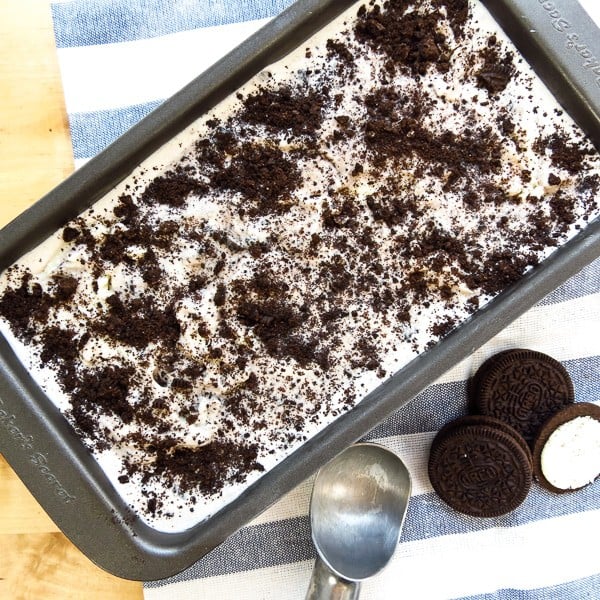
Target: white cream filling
[(571, 456)]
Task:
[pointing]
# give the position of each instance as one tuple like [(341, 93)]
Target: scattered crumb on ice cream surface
[(276, 261)]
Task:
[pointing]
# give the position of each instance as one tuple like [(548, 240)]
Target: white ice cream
[(313, 396)]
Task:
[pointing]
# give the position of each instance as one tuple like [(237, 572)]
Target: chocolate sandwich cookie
[(480, 467), (470, 420), (523, 388), (474, 382), (566, 452)]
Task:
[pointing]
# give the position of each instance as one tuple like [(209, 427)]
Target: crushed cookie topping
[(336, 222)]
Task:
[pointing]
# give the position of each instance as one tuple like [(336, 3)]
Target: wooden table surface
[(37, 562)]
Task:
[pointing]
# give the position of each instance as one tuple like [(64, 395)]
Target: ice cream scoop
[(357, 509)]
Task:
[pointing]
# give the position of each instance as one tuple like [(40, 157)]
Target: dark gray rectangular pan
[(561, 42)]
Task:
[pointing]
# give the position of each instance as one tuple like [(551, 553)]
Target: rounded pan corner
[(562, 43)]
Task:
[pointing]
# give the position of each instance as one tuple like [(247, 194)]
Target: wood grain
[(47, 566), (35, 149), (19, 511), (36, 561)]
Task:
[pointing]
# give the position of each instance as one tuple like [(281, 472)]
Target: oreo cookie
[(566, 452), (480, 466), (490, 422), (474, 382), (523, 388)]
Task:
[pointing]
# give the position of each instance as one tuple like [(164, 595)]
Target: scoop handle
[(326, 585)]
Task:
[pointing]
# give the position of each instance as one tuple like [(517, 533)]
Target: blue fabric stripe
[(580, 589), (289, 540), (91, 132), (587, 281), (90, 22), (428, 516), (449, 400)]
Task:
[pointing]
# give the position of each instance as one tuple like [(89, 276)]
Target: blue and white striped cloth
[(119, 59)]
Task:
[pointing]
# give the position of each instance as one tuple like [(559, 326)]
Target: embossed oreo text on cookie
[(522, 388), (480, 470)]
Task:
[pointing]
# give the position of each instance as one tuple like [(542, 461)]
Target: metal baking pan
[(561, 42)]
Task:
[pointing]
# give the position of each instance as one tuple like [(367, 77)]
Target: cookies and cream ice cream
[(275, 262)]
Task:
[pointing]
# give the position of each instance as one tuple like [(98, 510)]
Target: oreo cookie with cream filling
[(566, 452), (523, 388)]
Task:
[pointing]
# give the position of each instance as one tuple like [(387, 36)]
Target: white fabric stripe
[(593, 9), (536, 555), (118, 75), (565, 331), (273, 583), (79, 162)]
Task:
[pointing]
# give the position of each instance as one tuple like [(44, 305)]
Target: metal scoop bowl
[(357, 509)]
